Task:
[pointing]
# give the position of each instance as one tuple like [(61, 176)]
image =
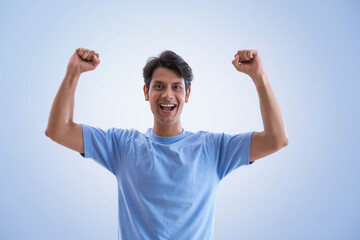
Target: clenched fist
[(249, 62), (83, 60)]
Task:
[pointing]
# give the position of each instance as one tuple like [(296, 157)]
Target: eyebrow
[(160, 82)]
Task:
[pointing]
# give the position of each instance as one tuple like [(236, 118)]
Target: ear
[(146, 93), (187, 95)]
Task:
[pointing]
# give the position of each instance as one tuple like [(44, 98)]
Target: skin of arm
[(61, 127), (274, 136), (62, 109), (274, 127)]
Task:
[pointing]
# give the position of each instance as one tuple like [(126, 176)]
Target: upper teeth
[(167, 105)]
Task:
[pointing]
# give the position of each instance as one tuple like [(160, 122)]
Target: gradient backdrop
[(310, 50)]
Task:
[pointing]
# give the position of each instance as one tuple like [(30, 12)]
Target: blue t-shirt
[(166, 185)]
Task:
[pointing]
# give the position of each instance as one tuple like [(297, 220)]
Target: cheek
[(152, 97), (182, 97), (152, 103)]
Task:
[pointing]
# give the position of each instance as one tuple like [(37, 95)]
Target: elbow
[(282, 140), (49, 133), (56, 131), (278, 144), (284, 143)]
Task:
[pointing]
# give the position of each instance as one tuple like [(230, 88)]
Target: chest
[(160, 172)]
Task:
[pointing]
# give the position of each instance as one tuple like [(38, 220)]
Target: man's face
[(167, 96)]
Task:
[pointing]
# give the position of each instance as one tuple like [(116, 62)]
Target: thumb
[(96, 59), (236, 63)]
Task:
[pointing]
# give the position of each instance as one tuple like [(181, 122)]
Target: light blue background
[(310, 50)]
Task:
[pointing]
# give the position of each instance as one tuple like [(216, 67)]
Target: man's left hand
[(249, 62)]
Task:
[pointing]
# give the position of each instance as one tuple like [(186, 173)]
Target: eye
[(158, 86), (177, 87)]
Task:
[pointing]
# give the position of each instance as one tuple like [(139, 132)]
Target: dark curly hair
[(170, 60)]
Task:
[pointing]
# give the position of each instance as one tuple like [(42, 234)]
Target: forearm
[(274, 127), (62, 109)]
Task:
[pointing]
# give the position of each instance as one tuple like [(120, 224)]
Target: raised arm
[(61, 127), (274, 135)]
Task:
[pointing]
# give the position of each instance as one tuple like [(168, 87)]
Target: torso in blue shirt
[(166, 185)]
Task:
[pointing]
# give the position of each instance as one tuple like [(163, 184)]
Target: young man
[(167, 177)]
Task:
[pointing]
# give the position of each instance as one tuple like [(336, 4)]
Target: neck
[(167, 130)]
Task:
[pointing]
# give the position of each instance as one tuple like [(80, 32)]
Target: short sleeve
[(103, 146), (231, 151)]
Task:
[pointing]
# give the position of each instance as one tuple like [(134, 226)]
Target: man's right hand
[(83, 60)]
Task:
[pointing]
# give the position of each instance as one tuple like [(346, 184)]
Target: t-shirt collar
[(161, 139)]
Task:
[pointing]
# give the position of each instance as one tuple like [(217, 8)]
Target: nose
[(168, 93)]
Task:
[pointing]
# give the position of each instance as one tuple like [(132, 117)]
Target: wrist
[(72, 76), (73, 73), (260, 80)]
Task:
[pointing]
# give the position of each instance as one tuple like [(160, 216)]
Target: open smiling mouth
[(168, 108)]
